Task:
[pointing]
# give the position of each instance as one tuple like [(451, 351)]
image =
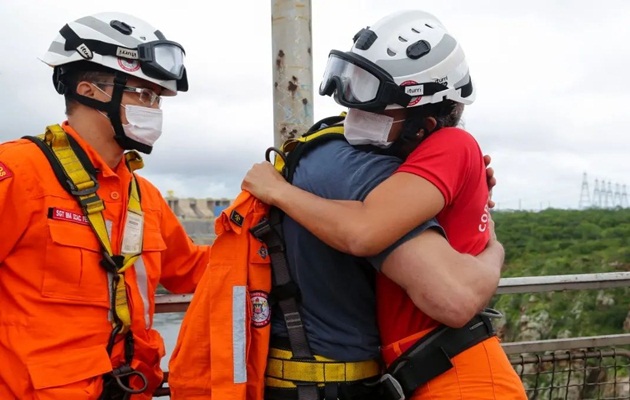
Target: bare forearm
[(448, 286)]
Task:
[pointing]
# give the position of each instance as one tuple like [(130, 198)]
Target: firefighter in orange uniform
[(85, 240)]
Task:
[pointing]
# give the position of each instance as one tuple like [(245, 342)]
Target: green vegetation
[(559, 242)]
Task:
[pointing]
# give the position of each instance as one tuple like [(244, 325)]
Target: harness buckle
[(91, 203), (391, 388), (76, 192), (293, 320), (261, 229), (111, 263), (487, 315)]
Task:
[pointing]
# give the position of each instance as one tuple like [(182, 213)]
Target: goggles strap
[(85, 47)]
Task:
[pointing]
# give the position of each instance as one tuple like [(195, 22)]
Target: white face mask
[(145, 124), (363, 127)]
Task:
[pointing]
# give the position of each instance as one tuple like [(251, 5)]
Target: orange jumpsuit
[(221, 351), (54, 295)]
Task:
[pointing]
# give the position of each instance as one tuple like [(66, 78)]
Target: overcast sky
[(552, 81)]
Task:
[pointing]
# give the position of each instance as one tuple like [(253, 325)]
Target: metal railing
[(595, 367), (599, 374)]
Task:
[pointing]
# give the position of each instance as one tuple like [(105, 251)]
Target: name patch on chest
[(69, 216)]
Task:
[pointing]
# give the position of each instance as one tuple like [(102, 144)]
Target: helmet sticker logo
[(414, 89), (126, 53), (85, 51), (129, 65), (442, 81), (261, 313)]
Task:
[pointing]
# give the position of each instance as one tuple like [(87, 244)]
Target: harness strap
[(294, 149), (287, 372), (431, 355), (269, 231), (77, 175), (285, 293), (81, 182)]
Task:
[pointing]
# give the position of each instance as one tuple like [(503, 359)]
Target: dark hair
[(71, 74), (78, 76), (447, 113)]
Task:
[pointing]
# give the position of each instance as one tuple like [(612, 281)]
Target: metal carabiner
[(127, 371), (281, 154), (491, 313)]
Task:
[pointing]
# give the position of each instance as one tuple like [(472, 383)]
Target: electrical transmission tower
[(617, 196), (603, 195), (585, 195), (609, 196), (597, 198)]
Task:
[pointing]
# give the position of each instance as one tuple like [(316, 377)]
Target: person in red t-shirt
[(406, 81)]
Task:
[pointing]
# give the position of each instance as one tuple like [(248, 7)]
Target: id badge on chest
[(132, 234)]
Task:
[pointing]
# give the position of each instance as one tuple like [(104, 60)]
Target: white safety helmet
[(122, 43), (406, 59)]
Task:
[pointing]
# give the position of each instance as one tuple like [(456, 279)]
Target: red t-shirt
[(452, 160)]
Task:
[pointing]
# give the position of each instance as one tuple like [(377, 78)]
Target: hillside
[(556, 242)]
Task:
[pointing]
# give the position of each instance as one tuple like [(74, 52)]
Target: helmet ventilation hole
[(391, 52), (121, 27), (428, 26), (414, 30), (402, 39)]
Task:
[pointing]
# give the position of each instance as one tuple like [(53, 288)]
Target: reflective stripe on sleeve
[(143, 288), (239, 338)]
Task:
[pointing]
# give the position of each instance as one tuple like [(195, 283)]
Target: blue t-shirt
[(338, 302)]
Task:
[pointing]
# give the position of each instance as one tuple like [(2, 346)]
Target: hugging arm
[(448, 286), (396, 206)]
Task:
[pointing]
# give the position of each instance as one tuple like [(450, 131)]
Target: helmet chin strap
[(410, 137), (112, 109)]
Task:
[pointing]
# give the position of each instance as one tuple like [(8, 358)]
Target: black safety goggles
[(159, 59), (356, 82), (162, 58)]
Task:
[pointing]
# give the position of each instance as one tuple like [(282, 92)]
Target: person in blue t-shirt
[(337, 301)]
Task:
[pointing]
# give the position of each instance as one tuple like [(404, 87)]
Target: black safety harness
[(431, 355), (426, 359), (286, 294)]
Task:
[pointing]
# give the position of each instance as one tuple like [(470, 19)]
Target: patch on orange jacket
[(261, 314), (5, 172), (70, 216)]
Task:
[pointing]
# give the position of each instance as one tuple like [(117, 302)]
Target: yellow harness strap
[(290, 144), (283, 371), (86, 186)]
